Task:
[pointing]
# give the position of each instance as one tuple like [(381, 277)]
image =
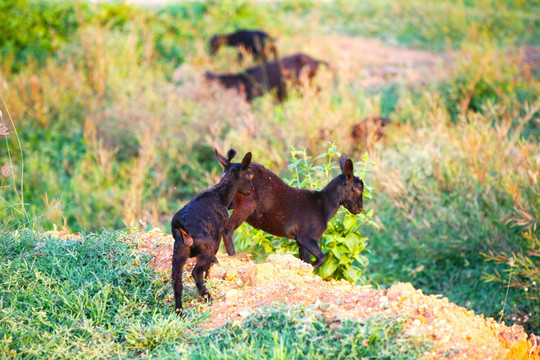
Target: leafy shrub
[(34, 29), (342, 243)]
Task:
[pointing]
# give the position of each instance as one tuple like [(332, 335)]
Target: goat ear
[(342, 160), (230, 154), (222, 160), (348, 170), (246, 161)]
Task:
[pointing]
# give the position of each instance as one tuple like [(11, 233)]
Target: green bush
[(35, 29)]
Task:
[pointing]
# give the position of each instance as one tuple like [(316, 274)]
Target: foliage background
[(107, 132)]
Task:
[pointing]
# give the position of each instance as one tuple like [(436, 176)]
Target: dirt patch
[(243, 286), (369, 63), (376, 64)]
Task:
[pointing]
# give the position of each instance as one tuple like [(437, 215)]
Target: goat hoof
[(208, 298), (317, 263), (179, 311)]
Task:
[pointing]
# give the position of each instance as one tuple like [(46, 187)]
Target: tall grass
[(12, 181), (438, 24)]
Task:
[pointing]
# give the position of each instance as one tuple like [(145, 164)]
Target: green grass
[(96, 298), (88, 298), (301, 333), (436, 25)]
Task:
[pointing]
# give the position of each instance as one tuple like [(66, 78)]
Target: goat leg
[(303, 253), (179, 259), (243, 208), (313, 247), (204, 261)]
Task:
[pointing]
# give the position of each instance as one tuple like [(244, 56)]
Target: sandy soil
[(244, 286)]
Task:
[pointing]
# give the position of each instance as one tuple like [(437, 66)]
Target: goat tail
[(180, 234), (273, 49), (325, 63), (210, 75)]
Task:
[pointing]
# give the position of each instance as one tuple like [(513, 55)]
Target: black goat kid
[(198, 227), (298, 214)]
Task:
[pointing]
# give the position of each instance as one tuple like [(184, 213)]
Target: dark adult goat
[(258, 80), (298, 214), (256, 42), (197, 228)]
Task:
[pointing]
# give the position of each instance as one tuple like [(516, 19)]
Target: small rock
[(216, 272), (399, 291), (246, 277), (230, 275), (384, 302), (231, 295)]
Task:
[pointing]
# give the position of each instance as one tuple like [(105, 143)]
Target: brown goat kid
[(297, 214), (256, 42), (258, 80), (366, 133), (197, 228)]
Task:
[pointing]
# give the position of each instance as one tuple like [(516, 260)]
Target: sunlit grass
[(95, 297)]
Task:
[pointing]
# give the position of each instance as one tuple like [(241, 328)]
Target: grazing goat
[(257, 43), (368, 131), (258, 80), (295, 66), (197, 228), (298, 214)]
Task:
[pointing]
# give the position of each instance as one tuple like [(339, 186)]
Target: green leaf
[(353, 274), (349, 222), (328, 268), (352, 241), (337, 252)]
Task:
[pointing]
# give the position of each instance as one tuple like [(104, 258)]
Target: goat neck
[(332, 197), (226, 189)]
